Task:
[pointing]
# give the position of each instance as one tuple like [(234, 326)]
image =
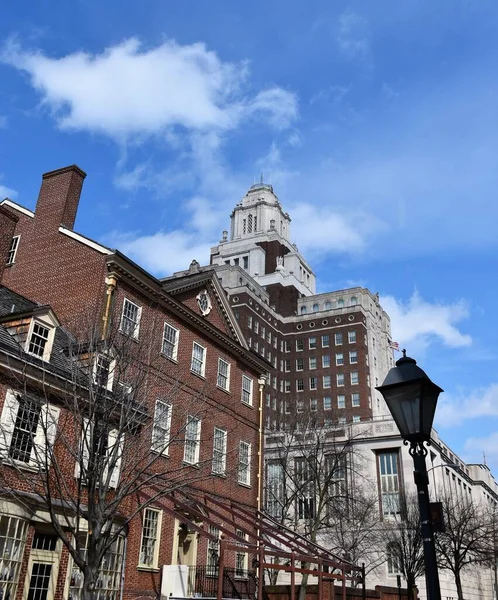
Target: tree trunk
[(303, 586), (458, 583)]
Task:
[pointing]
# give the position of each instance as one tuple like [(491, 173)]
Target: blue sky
[(376, 122)]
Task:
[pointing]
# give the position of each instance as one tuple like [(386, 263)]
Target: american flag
[(394, 345)]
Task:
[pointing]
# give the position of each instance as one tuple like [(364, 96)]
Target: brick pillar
[(59, 198)]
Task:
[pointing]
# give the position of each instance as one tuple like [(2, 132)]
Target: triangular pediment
[(202, 293)]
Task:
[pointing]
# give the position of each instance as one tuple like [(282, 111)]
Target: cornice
[(152, 287)]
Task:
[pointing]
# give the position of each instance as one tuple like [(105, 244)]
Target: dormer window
[(40, 339)]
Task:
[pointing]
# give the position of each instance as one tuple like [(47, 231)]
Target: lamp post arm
[(421, 477)]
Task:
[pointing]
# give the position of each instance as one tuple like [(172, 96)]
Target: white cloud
[(162, 253), (458, 408), (418, 322), (6, 192), (479, 448), (353, 36), (128, 90), (321, 229)]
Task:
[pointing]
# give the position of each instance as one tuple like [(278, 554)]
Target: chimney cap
[(74, 168)]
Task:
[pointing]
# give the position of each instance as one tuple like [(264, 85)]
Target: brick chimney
[(8, 222), (59, 197)]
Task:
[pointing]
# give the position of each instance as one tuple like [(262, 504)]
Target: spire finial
[(261, 179), (404, 353)]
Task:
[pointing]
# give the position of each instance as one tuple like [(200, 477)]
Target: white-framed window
[(274, 488), (300, 405), (219, 451), (313, 404), (327, 403), (287, 346), (12, 539), (306, 492), (198, 365), (341, 401), (312, 343), (338, 339), (287, 386), (249, 322), (27, 430), (312, 383), (14, 245), (244, 471), (105, 446), (241, 558), (355, 399), (130, 318), (103, 371), (325, 341), (299, 364), (299, 345), (341, 420), (387, 464), (352, 337), (339, 379), (247, 385), (40, 339), (151, 534), (192, 440), (353, 357), (354, 378), (170, 341), (213, 552), (256, 326), (356, 418), (339, 359), (161, 428), (300, 385), (312, 362), (326, 382), (223, 379), (263, 331), (287, 366), (326, 361), (394, 554), (109, 575)]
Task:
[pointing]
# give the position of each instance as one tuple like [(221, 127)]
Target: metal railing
[(237, 584)]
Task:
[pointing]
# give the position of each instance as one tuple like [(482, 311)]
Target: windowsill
[(19, 464), (134, 338), (171, 359), (223, 389), (200, 375), (247, 404), (162, 454), (246, 485), (220, 475), (148, 569), (193, 465), (7, 265)]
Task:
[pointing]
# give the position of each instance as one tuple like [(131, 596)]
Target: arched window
[(243, 226), (328, 305), (255, 223), (303, 310), (315, 307), (340, 303), (353, 301), (249, 224)]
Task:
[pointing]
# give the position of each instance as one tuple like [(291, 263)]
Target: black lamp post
[(412, 397)]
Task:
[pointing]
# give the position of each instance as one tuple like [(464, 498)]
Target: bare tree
[(92, 448), (468, 537), (403, 541), (310, 469)]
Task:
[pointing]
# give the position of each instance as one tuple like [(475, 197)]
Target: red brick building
[(200, 388)]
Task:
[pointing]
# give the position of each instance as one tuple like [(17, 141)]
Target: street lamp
[(412, 397)]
